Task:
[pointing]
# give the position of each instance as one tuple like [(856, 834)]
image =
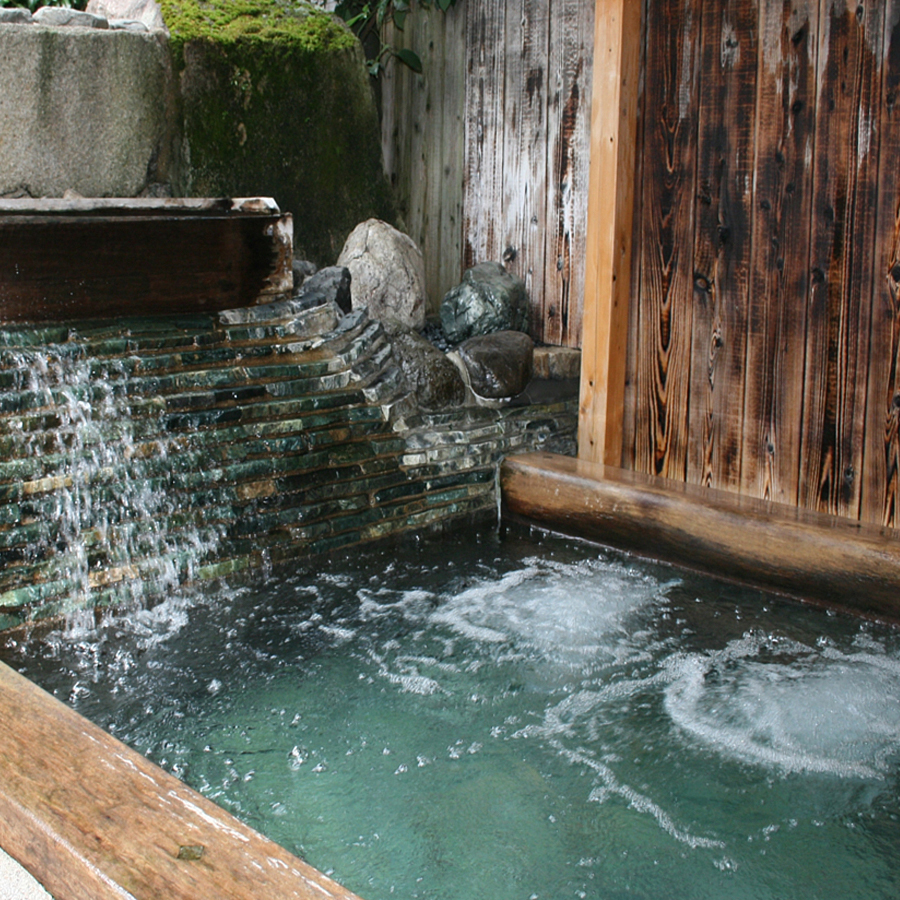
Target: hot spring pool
[(515, 716)]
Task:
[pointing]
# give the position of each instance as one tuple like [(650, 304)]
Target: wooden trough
[(68, 260)]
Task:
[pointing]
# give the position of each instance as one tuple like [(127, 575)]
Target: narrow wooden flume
[(839, 563), (92, 819)]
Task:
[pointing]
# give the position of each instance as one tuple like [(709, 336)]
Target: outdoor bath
[(232, 533), (513, 714)]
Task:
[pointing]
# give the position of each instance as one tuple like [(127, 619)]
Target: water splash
[(92, 479)]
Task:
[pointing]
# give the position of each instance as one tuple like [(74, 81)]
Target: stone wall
[(141, 454)]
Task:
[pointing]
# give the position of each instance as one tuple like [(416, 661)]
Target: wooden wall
[(423, 140), (764, 339), (488, 148)]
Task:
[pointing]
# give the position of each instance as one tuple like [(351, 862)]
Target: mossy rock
[(276, 101)]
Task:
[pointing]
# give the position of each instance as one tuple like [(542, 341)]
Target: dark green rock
[(488, 299)]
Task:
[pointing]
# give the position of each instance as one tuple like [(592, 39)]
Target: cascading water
[(92, 476)]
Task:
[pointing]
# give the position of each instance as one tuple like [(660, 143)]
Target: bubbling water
[(780, 704), (577, 723)]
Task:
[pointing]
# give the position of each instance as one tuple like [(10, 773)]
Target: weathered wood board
[(835, 562), (488, 147), (93, 820), (63, 260), (764, 301)]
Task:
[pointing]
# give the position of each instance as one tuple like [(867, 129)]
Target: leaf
[(400, 19), (407, 57)]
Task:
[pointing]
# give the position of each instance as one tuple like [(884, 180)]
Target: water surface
[(515, 717)]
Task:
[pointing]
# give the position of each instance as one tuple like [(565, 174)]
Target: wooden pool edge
[(837, 563), (92, 819)]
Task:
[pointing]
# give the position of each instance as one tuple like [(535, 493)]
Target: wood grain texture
[(82, 263), (841, 260), (93, 820), (527, 132), (482, 195), (722, 241), (423, 140), (779, 271), (820, 558), (522, 211), (662, 376), (881, 485), (571, 52), (610, 219)]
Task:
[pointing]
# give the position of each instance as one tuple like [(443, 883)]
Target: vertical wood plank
[(568, 164), (670, 125), (448, 266), (722, 242), (522, 210), (423, 141), (629, 426), (881, 487), (842, 263), (616, 75), (779, 274), (485, 21)]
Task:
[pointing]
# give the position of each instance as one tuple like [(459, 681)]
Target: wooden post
[(617, 35)]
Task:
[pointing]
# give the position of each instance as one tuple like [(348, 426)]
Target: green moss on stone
[(276, 101), (264, 21)]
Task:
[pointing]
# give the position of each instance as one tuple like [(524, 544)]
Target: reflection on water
[(516, 717)]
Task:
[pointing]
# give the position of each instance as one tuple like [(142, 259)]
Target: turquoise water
[(515, 716)]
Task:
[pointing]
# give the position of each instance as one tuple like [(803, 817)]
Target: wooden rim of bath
[(837, 563), (91, 819)]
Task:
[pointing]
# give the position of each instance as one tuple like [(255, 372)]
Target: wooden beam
[(833, 562), (617, 35), (92, 819), (65, 260)]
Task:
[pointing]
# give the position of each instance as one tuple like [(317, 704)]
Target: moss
[(276, 101), (265, 21)]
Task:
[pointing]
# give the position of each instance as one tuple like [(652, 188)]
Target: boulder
[(388, 275), (277, 102), (128, 25), (499, 365), (145, 11), (15, 16), (488, 299), (435, 380), (302, 269), (89, 109)]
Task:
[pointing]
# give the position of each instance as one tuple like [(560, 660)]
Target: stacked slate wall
[(142, 454)]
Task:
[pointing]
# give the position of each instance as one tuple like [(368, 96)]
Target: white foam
[(789, 707)]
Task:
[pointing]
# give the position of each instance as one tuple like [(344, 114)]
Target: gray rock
[(302, 269), (499, 365), (128, 25), (60, 16), (488, 299), (329, 284), (15, 16), (433, 378), (144, 11), (92, 110), (388, 275)]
